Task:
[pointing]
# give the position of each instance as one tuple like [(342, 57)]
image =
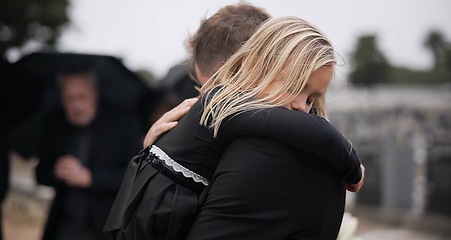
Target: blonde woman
[(286, 65)]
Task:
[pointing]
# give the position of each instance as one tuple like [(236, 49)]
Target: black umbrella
[(34, 75), (29, 85)]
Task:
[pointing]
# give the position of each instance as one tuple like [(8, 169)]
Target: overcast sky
[(151, 34)]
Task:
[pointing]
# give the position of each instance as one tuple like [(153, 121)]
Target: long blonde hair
[(285, 49)]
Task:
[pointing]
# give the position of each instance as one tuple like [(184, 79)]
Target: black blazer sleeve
[(307, 132)]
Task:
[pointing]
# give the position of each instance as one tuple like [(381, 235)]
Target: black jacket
[(263, 189), (115, 138)]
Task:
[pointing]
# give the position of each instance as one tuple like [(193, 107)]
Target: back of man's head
[(222, 34)]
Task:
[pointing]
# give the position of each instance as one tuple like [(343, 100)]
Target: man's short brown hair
[(220, 36)]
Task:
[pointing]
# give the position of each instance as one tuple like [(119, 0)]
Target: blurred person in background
[(83, 152)]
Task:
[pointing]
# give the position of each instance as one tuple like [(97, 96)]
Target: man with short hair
[(83, 151), (256, 192)]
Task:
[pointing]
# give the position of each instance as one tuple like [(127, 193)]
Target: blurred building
[(403, 136)]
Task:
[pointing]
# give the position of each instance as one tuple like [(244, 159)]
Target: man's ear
[(201, 77)]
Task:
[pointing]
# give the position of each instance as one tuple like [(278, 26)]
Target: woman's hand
[(356, 187), (168, 121)]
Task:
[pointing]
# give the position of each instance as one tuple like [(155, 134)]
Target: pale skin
[(80, 104), (315, 88)]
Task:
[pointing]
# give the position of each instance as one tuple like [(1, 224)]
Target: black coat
[(150, 205), (115, 138), (263, 189)]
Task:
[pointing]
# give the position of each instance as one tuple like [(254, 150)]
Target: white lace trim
[(177, 167)]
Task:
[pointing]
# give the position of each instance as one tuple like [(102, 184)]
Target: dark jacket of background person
[(5, 96), (263, 189), (114, 139), (4, 170)]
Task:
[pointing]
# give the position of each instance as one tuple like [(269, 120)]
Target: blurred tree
[(441, 70), (369, 65), (24, 20), (448, 61), (438, 46), (441, 49)]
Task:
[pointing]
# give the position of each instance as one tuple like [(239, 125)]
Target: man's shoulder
[(259, 144)]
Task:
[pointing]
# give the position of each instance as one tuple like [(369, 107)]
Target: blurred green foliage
[(25, 20), (370, 66)]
